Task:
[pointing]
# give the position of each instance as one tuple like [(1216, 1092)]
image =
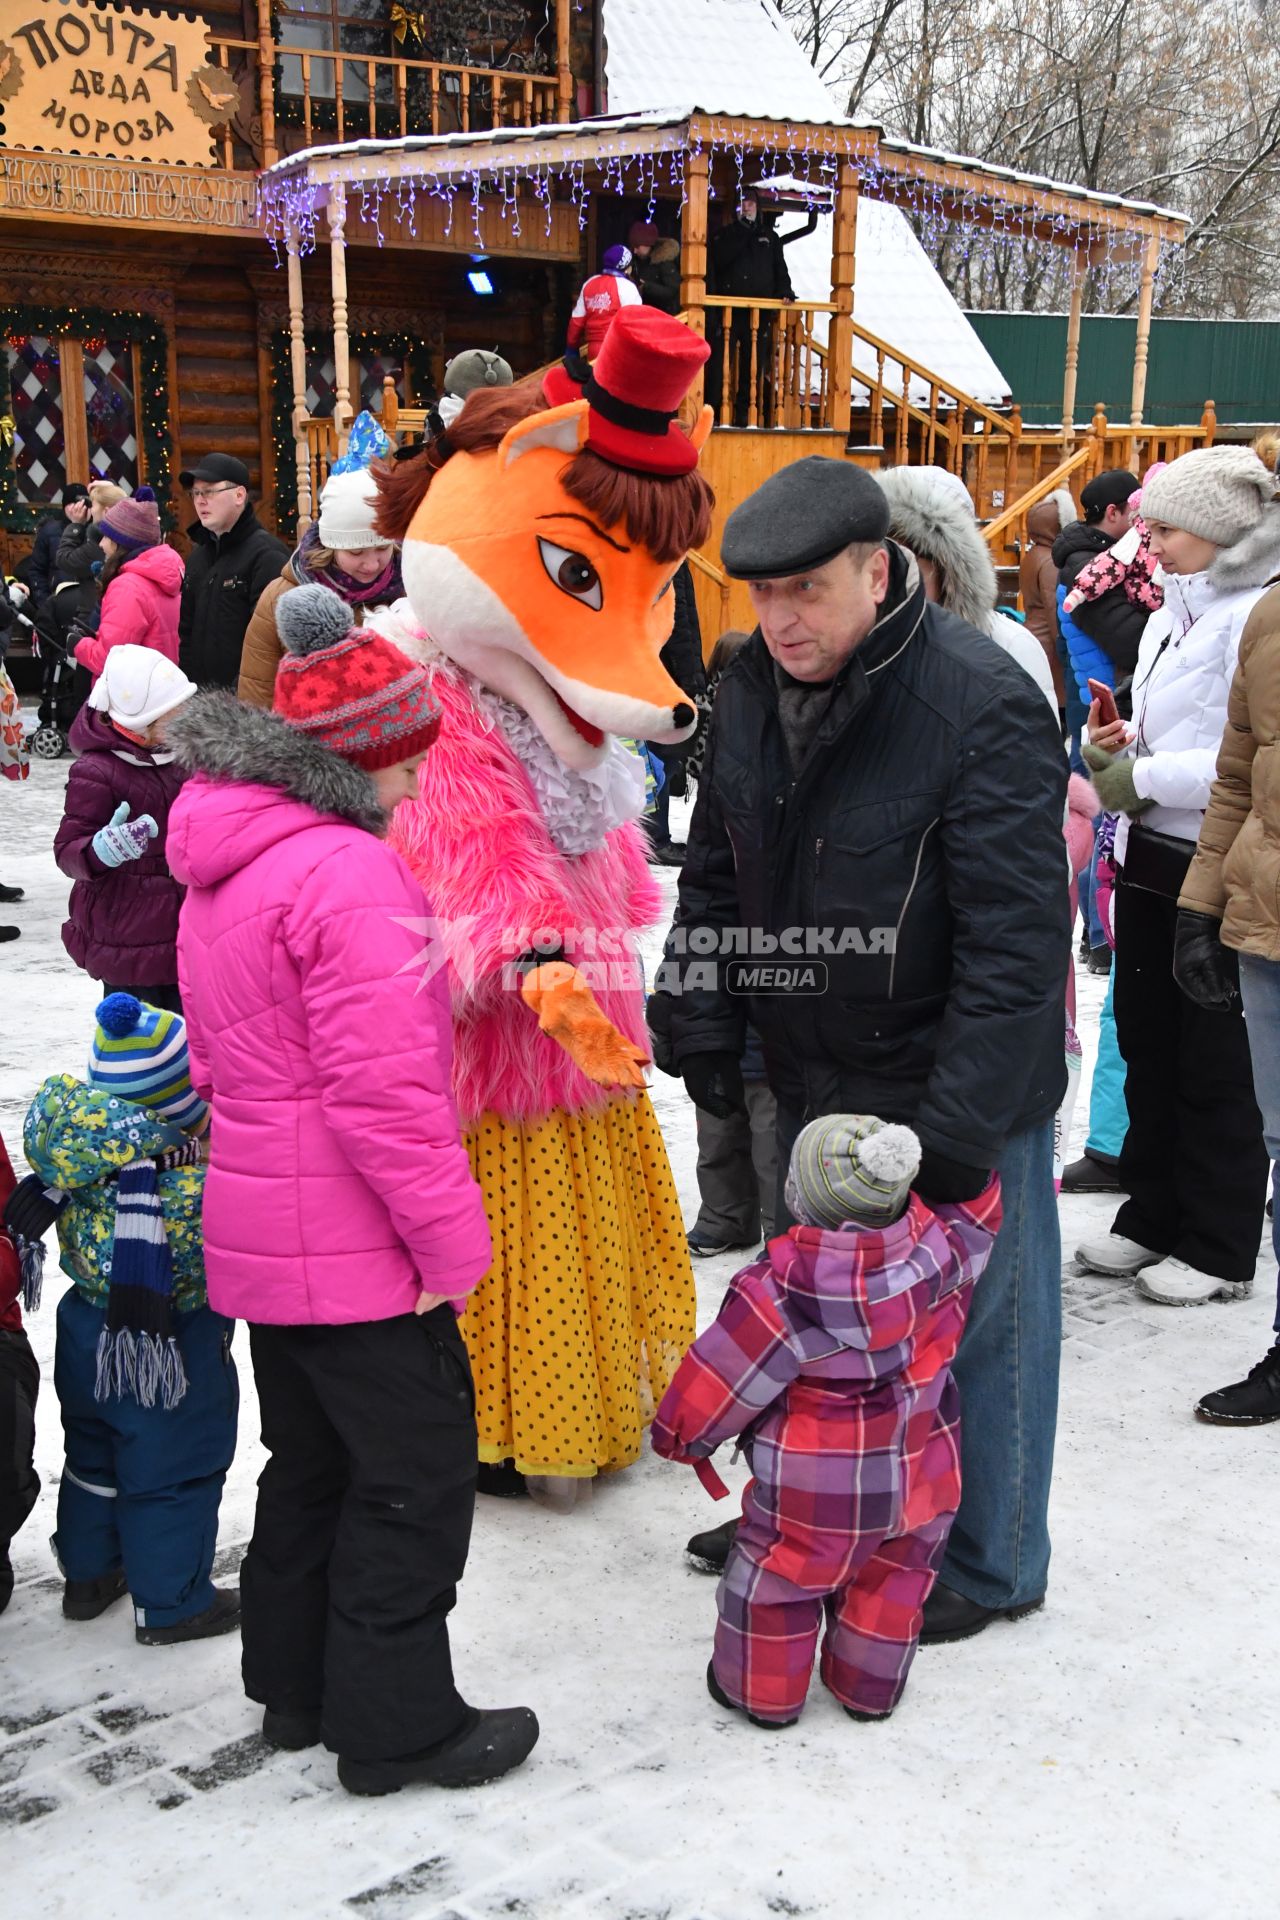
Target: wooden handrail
[(998, 422), (1082, 457), (701, 564)]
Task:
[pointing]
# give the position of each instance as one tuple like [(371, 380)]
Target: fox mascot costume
[(541, 534)]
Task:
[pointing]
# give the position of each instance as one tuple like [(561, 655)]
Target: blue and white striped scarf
[(138, 1353)]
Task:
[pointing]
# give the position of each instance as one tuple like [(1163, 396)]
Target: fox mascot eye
[(573, 573)]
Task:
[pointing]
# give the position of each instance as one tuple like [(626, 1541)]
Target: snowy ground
[(1116, 1755)]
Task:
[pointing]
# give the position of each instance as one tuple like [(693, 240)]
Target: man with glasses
[(233, 559)]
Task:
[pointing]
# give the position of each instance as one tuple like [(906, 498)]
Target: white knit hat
[(347, 507), (137, 685), (1218, 493)]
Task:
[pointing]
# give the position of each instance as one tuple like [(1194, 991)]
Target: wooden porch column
[(298, 375), (693, 262), (1079, 274), (267, 83), (840, 338), (337, 212), (1146, 294), (564, 73)]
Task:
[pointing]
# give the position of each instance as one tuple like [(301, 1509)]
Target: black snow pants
[(19, 1385), (362, 1528)]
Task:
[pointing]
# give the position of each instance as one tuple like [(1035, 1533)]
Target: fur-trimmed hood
[(937, 525), (219, 736), (1252, 561)]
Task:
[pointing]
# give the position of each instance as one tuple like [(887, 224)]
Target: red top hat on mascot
[(634, 388)]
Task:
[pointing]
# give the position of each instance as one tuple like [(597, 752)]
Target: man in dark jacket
[(42, 568), (682, 658), (233, 559), (747, 263), (878, 841), (655, 266)]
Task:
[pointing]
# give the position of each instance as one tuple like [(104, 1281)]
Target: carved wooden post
[(298, 374), (1146, 294), (693, 261), (337, 211), (1098, 428), (840, 338), (1079, 274), (267, 83), (564, 72), (1209, 423)]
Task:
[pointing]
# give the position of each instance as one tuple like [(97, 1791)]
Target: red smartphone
[(1106, 699)]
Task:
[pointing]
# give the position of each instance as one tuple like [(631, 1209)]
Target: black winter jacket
[(930, 804), (224, 580), (747, 262), (1112, 621), (658, 277), (44, 555)]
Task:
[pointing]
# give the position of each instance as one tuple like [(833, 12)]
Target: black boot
[(10, 894), (501, 1480), (291, 1731), (489, 1745), (948, 1616), (86, 1599), (6, 1577), (722, 1699), (223, 1616), (1251, 1402), (10, 933), (708, 1551), (1091, 1173)]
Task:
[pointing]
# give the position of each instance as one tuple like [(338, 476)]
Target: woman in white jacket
[(1193, 1161)]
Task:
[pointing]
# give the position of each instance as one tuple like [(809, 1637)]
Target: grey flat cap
[(802, 517)]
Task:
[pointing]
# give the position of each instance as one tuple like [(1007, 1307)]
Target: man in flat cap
[(875, 881)]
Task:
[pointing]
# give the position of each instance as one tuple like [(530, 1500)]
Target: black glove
[(32, 1208), (948, 1181), (677, 781), (713, 1081), (1207, 972)]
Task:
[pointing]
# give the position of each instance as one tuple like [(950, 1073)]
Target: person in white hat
[(343, 551), (122, 926), (1193, 1162)]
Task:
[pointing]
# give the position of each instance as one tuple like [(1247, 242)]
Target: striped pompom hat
[(851, 1168), (140, 1054), (346, 687)]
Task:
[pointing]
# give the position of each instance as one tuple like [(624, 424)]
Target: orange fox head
[(548, 602)]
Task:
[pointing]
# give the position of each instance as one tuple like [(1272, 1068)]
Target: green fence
[(1234, 363)]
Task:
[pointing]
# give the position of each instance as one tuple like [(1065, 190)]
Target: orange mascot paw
[(569, 1012)]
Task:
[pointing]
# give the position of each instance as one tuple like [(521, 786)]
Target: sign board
[(118, 83)]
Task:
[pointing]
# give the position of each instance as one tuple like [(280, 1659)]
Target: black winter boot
[(223, 1616), (1091, 1173), (6, 1577), (291, 1732), (86, 1599), (1251, 1402), (722, 1699), (488, 1745), (501, 1480), (708, 1551)]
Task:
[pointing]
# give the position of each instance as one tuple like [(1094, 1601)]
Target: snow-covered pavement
[(1116, 1755)]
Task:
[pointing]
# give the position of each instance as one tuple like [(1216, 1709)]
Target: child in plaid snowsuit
[(831, 1358)]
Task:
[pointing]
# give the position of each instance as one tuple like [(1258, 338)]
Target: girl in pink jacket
[(340, 1218), (141, 584)]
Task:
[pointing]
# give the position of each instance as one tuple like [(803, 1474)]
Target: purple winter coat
[(123, 924)]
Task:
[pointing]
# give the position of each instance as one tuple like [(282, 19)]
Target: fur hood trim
[(219, 736), (664, 250), (938, 526), (1253, 560)]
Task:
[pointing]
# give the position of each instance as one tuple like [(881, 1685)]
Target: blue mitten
[(124, 839)]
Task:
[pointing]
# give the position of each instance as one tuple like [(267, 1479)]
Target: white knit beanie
[(137, 685), (347, 507), (1218, 493)]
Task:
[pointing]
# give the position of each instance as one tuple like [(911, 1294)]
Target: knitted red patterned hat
[(346, 687)]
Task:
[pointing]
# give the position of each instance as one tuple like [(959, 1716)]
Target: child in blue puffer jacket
[(142, 1365)]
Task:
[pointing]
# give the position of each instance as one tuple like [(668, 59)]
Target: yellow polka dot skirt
[(580, 1322)]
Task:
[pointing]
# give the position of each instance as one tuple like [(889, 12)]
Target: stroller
[(64, 684)]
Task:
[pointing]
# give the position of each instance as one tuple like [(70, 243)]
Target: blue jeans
[(1076, 711), (1260, 991), (1007, 1373), (141, 1485), (1108, 1114)]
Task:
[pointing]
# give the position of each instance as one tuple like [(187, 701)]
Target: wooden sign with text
[(117, 83)]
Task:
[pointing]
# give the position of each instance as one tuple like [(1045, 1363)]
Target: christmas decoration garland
[(393, 345), (151, 402)]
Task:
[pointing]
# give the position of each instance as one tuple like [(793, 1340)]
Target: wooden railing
[(708, 569), (323, 96), (767, 367)]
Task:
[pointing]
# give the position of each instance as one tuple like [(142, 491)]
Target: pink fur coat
[(478, 843)]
